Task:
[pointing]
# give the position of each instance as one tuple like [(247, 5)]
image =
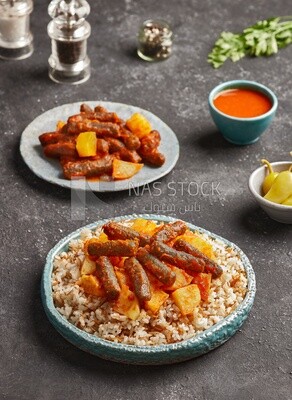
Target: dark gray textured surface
[(36, 363)]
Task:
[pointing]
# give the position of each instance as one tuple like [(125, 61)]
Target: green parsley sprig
[(262, 39)]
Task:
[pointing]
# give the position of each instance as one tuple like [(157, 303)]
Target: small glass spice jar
[(16, 40), (154, 40), (69, 32)]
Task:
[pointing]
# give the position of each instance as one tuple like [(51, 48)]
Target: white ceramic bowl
[(278, 212)]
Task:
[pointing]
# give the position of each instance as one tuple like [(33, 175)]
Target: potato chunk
[(103, 237), (60, 125), (157, 300), (127, 303), (122, 277), (139, 125), (86, 144), (144, 226), (181, 279), (91, 285), (88, 267), (125, 169), (187, 298)]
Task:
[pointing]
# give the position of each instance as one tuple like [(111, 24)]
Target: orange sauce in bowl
[(242, 103)]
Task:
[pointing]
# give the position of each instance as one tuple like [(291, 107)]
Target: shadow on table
[(131, 52), (211, 139), (256, 222), (33, 181), (40, 75)]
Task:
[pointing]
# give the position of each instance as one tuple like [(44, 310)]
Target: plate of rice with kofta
[(147, 289)]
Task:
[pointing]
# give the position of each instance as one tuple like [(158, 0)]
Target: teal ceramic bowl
[(242, 131), (146, 355)]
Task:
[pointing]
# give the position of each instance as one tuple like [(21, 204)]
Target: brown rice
[(95, 316)]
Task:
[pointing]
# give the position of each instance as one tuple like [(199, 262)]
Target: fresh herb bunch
[(262, 39)]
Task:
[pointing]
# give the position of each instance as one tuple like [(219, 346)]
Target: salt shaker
[(154, 40), (16, 40), (69, 32)]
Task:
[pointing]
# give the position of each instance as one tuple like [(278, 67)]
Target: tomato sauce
[(242, 103)]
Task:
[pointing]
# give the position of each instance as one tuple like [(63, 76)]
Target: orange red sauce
[(242, 103)]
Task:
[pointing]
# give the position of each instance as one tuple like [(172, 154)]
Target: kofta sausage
[(119, 248), (54, 137), (210, 266), (99, 108), (57, 150), (86, 108), (101, 128), (178, 258), (126, 140), (117, 231), (150, 142), (106, 273), (101, 116), (88, 168), (148, 149), (154, 158), (102, 146), (128, 155), (162, 272), (132, 142), (139, 278), (120, 151), (114, 144), (169, 231)]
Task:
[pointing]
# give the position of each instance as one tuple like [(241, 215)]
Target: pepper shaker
[(154, 40), (16, 40), (69, 32)]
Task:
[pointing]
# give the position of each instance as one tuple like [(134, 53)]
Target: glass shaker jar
[(16, 40), (69, 31), (154, 40)]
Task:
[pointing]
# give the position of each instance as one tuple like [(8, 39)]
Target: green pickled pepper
[(281, 188), (269, 179)]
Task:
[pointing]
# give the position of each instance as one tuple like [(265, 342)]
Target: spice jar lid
[(15, 8), (155, 28), (69, 19)]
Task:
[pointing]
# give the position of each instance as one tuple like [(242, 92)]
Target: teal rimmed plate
[(146, 355)]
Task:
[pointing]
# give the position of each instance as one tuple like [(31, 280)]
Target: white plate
[(51, 171)]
